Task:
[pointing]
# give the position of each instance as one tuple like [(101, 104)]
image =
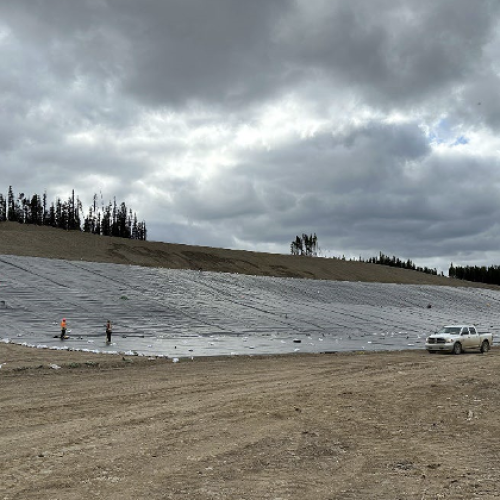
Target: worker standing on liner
[(63, 328), (109, 330)]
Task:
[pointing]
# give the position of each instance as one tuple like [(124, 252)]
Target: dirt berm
[(34, 241)]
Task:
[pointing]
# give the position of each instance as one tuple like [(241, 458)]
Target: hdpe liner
[(182, 313)]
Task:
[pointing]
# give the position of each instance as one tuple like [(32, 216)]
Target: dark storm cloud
[(223, 51), (393, 52), (162, 53), (229, 52), (226, 52), (372, 123), (219, 51)]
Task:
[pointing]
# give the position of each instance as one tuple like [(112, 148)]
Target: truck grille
[(437, 341)]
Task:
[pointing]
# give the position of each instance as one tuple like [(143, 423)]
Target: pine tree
[(70, 224), (11, 206), (3, 208), (135, 228), (20, 208), (106, 224), (45, 220)]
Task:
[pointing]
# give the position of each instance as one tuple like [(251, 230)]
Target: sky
[(242, 124)]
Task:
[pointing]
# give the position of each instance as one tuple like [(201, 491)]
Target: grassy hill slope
[(34, 241)]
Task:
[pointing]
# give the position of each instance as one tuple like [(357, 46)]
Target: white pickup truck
[(458, 338)]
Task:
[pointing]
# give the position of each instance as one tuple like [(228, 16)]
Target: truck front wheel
[(457, 348), (485, 346)]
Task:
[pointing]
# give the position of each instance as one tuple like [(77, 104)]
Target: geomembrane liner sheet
[(182, 313)]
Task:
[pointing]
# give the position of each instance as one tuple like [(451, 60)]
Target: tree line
[(394, 261), (478, 274), (112, 219), (308, 245)]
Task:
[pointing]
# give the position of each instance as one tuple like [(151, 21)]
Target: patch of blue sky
[(443, 133), (460, 140), (434, 138)]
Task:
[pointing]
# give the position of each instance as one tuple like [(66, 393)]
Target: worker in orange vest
[(63, 328)]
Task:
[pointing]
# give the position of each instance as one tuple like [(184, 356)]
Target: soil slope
[(34, 241)]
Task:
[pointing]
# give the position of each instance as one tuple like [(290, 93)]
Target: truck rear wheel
[(485, 346), (457, 348)]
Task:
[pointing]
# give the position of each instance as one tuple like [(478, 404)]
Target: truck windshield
[(450, 329)]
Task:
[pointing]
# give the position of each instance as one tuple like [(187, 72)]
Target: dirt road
[(399, 425)]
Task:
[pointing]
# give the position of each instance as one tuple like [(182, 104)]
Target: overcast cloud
[(373, 123)]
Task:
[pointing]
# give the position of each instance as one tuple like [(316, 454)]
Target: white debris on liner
[(175, 360)]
